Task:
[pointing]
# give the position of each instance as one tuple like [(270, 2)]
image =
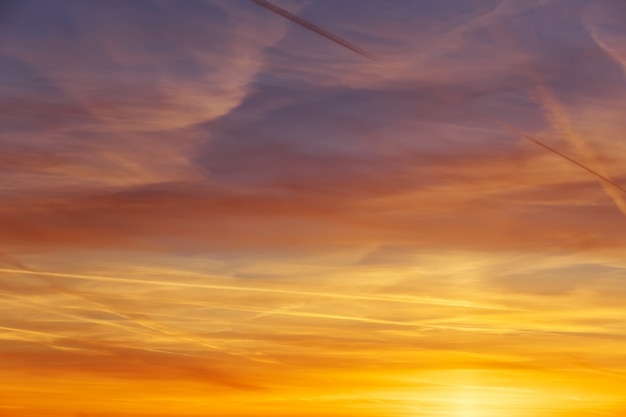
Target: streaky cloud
[(316, 29)]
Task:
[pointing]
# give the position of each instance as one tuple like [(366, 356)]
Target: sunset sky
[(210, 210)]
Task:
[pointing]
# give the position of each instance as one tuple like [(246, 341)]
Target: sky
[(207, 209)]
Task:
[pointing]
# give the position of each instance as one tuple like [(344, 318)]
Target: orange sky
[(208, 210)]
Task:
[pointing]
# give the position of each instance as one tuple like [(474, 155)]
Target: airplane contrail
[(382, 298), (200, 340), (346, 44), (316, 29), (137, 319), (603, 178), (306, 314)]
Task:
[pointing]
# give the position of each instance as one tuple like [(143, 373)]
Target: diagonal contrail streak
[(340, 41), (601, 177), (314, 28), (174, 284)]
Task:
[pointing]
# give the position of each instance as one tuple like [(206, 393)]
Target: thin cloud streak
[(391, 299), (602, 178), (316, 29)]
